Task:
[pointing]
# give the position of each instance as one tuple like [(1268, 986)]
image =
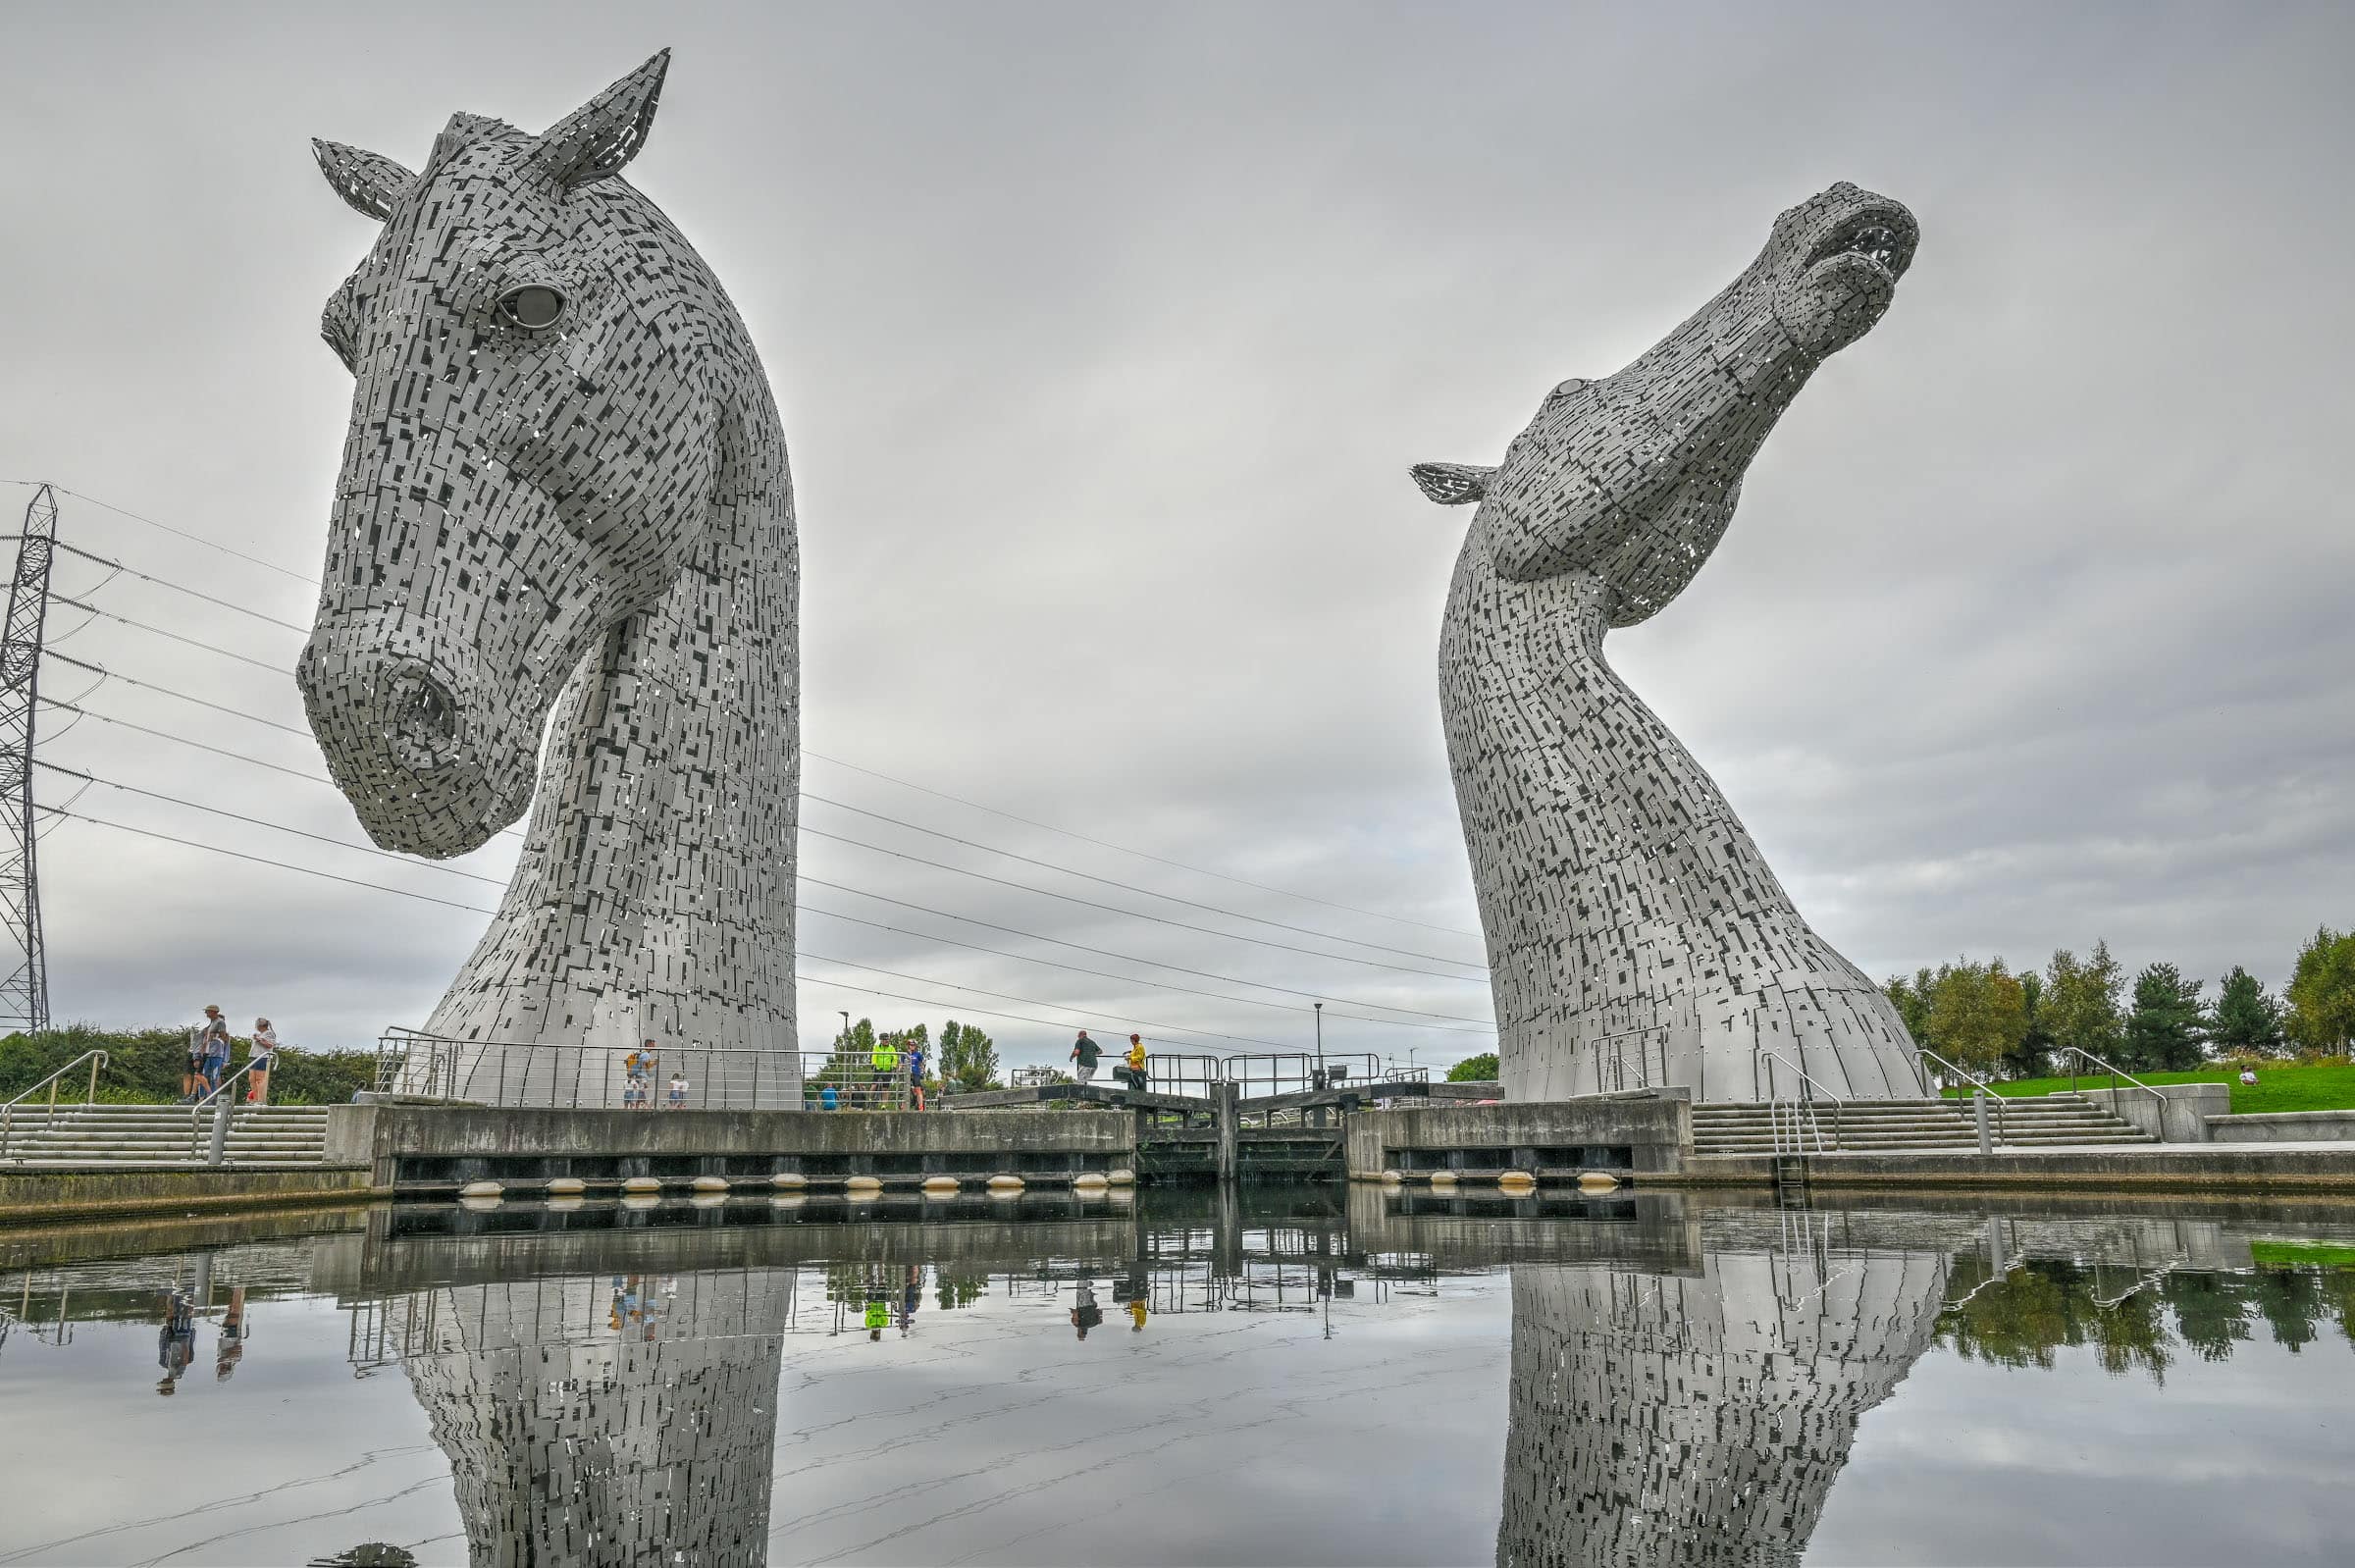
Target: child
[(679, 1090)]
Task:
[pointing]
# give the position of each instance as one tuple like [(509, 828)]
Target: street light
[(1320, 1045)]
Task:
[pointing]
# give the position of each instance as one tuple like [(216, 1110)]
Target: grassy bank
[(144, 1067), (2279, 1086)]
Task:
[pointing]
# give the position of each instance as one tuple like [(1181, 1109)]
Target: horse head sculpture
[(564, 465), (1635, 936), (534, 436)]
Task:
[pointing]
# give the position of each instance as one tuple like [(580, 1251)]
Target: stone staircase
[(1898, 1127), (154, 1137)]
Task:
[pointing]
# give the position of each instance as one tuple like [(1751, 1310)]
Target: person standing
[(884, 1060), (209, 1053), (259, 1063), (1085, 1054), (916, 1073), (678, 1089), (1134, 1069)]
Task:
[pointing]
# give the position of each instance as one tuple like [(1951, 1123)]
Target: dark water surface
[(1295, 1376)]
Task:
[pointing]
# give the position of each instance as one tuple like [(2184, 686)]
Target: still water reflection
[(1294, 1375)]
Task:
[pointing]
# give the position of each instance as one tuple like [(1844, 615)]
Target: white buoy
[(566, 1186), (789, 1178), (1443, 1178), (863, 1186), (1006, 1186), (711, 1184), (1090, 1181), (1393, 1176), (644, 1184), (940, 1186), (1597, 1182), (482, 1189), (1122, 1179), (1520, 1182)]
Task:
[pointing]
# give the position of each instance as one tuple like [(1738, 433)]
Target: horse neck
[(1557, 759), (670, 793)]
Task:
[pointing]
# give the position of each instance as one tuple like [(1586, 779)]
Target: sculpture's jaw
[(1835, 261)]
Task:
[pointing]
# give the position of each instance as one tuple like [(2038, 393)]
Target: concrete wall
[(2284, 1126), (463, 1144), (1657, 1130), (2182, 1119)]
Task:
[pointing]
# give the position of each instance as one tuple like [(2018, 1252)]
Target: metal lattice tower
[(24, 994)]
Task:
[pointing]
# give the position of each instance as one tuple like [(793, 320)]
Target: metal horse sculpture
[(566, 489), (1635, 936)]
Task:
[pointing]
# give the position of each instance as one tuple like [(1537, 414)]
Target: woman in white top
[(265, 1051)]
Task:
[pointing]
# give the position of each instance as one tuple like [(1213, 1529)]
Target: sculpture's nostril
[(421, 720)]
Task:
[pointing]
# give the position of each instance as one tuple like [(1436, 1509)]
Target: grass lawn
[(2287, 1087)]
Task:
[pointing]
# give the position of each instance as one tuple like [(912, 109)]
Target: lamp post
[(1320, 1045)]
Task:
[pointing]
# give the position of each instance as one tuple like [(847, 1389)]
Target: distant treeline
[(1985, 1017), (144, 1066)]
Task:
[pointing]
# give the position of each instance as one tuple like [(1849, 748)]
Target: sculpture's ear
[(596, 141), (1452, 484), (369, 181)]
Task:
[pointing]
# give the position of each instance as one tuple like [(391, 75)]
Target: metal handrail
[(221, 1112), (1985, 1086), (2115, 1074), (95, 1057), (1839, 1106)]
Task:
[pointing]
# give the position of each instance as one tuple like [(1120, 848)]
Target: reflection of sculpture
[(1660, 1421), (565, 476), (1635, 934), (627, 1422)]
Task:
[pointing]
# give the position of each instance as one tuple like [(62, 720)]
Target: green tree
[(1978, 1013), (1911, 999), (2164, 1031), (2247, 1020), (2321, 992), (1480, 1069), (2032, 1057), (968, 1059), (2079, 1001)]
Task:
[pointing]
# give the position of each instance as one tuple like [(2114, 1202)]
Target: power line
[(1114, 908), (166, 691), (176, 587), (89, 779), (426, 898), (1169, 898), (1145, 855), (1133, 979), (158, 631), (805, 794), (263, 859), (1183, 925), (1031, 1001), (308, 579), (1131, 958)]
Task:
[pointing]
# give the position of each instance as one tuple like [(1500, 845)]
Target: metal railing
[(414, 1065), (1804, 1099), (1979, 1086), (2075, 1052), (48, 1111), (217, 1149)]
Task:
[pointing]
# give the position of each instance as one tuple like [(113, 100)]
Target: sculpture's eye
[(534, 306)]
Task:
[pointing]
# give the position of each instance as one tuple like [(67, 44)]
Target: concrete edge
[(76, 1194)]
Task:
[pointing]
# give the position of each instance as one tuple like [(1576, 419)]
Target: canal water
[(1289, 1375)]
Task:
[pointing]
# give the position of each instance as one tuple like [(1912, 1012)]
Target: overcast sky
[(1104, 338)]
